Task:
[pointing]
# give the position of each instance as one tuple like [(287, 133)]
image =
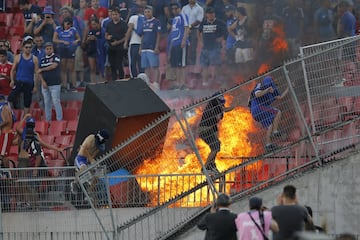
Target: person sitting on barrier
[(88, 150), (208, 127), (261, 98), (220, 222)]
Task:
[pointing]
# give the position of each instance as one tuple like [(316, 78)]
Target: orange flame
[(279, 44), (263, 68), (234, 132)]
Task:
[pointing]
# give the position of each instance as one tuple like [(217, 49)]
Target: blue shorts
[(178, 56), (80, 161), (264, 115), (149, 59), (210, 57)]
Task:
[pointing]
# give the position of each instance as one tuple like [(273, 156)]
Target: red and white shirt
[(5, 69)]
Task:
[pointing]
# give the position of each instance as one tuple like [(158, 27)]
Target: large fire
[(234, 130)]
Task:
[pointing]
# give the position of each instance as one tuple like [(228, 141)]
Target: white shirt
[(195, 13), (134, 39)]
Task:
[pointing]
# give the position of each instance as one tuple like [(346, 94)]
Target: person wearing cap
[(261, 98), (67, 39), (177, 43), (220, 222), (208, 128), (30, 145), (196, 14), (46, 26), (49, 75), (90, 147), (211, 34), (289, 215), (256, 223), (31, 14), (24, 76)]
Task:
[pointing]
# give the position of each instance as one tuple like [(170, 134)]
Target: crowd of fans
[(179, 44)]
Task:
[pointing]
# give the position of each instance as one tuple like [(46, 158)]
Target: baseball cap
[(229, 8), (28, 38), (100, 138), (48, 44), (209, 10), (255, 203)]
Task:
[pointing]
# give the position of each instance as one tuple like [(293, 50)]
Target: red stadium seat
[(15, 44), (49, 139), (70, 114), (3, 32), (16, 124), (72, 127), (36, 113), (74, 104), (34, 104), (19, 19), (42, 127), (16, 31), (50, 154), (42, 3), (63, 141), (57, 128), (2, 19)]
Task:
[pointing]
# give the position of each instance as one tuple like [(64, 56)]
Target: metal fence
[(166, 172)]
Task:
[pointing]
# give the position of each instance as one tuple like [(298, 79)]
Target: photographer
[(257, 222), (30, 151), (220, 222), (46, 26)]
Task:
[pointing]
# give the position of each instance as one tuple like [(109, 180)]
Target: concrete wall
[(333, 192)]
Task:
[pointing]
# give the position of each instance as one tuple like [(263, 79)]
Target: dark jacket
[(219, 225)]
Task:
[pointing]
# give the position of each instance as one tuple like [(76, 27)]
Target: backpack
[(140, 25)]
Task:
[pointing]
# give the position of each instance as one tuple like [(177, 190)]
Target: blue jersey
[(268, 98), (66, 35), (150, 30), (25, 69), (39, 53), (230, 40), (177, 32)]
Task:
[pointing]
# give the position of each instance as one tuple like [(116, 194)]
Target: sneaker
[(271, 147), (276, 134)]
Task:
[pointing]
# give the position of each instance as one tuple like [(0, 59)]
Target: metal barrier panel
[(332, 81)]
